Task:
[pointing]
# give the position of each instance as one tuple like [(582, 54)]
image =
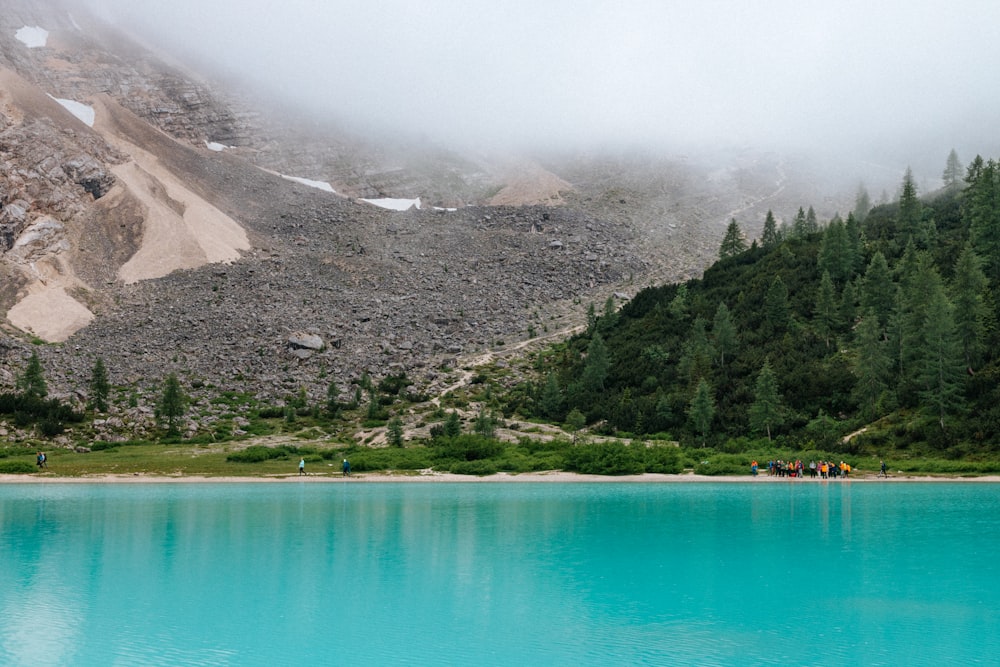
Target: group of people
[(345, 467), (817, 469)]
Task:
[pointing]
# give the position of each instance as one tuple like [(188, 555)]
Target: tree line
[(884, 321)]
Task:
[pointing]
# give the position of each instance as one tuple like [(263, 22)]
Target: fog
[(894, 82)]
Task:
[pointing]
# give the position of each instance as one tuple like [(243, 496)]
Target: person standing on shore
[(302, 466), (346, 468), (881, 472)]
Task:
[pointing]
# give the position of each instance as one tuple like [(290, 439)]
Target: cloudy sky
[(802, 74)]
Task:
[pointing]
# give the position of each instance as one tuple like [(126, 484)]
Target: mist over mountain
[(843, 84)]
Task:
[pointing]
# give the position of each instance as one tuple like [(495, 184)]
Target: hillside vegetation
[(873, 334)]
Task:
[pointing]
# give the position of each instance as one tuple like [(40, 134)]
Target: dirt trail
[(468, 366)]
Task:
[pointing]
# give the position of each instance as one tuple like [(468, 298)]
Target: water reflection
[(496, 574)]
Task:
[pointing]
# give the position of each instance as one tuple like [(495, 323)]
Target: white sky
[(849, 74)]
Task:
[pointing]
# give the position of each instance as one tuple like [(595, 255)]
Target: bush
[(724, 464), (468, 447), (50, 428), (259, 453), (393, 384), (16, 467), (606, 458), (480, 467), (394, 458), (664, 459)]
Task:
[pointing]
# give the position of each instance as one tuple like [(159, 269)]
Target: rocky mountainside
[(147, 217)]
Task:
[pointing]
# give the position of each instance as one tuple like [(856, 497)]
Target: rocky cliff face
[(256, 283)]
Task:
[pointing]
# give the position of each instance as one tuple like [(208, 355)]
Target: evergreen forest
[(873, 334)]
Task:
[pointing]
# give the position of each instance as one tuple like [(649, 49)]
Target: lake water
[(803, 573)]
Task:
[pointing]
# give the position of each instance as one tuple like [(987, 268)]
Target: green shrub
[(259, 453), (50, 427), (663, 459), (478, 467), (16, 467), (390, 458), (468, 447), (606, 458), (724, 464), (393, 384)]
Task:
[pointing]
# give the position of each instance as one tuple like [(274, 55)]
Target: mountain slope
[(164, 239)]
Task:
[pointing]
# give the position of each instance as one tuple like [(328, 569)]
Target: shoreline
[(498, 478)]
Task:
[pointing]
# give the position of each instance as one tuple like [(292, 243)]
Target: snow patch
[(322, 185), (394, 204), (81, 111), (217, 147), (32, 37)]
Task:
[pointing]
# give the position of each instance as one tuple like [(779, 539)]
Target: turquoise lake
[(355, 573)]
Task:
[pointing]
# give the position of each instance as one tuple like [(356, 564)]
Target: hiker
[(347, 468), (302, 466), (881, 472), (40, 460)]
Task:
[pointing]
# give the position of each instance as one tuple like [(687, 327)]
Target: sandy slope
[(181, 230), (49, 313)]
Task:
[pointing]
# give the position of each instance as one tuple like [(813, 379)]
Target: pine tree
[(940, 367), (31, 383), (916, 294), (591, 318), (776, 310), (733, 242), (723, 333), (910, 210), (394, 432), (679, 305), (766, 409), (595, 368), (849, 303), (485, 425), (799, 227), (872, 366), (862, 204), (333, 400), (835, 254), (826, 312), (770, 237), (972, 315), (982, 210), (575, 420), (696, 359), (172, 405), (877, 290), (610, 316), (452, 425), (551, 402), (855, 243), (702, 409), (100, 388), (812, 224), (952, 175)]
